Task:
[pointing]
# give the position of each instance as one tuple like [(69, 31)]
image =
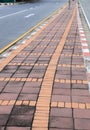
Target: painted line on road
[(29, 15), (2, 17), (15, 13), (85, 15), (31, 8)]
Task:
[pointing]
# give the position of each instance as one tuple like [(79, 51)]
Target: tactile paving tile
[(44, 84)]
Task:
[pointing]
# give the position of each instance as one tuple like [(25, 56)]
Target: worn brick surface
[(81, 99), (44, 85), (82, 124), (3, 119), (60, 122), (85, 114), (61, 98), (59, 91), (5, 109), (61, 112), (20, 120), (8, 96), (62, 85)]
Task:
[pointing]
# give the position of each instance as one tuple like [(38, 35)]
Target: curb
[(85, 47), (85, 15)]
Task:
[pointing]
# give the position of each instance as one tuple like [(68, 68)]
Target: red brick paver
[(43, 85)]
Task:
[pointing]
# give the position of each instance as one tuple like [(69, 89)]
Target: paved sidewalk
[(43, 84)]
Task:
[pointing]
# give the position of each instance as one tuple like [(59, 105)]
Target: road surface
[(17, 19), (85, 5)]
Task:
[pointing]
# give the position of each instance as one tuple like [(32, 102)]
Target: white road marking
[(31, 8), (13, 14), (85, 16), (85, 50), (29, 15)]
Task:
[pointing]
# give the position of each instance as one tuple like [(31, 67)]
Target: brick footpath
[(43, 84)]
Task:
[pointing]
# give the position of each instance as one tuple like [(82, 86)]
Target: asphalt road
[(85, 5), (17, 19)]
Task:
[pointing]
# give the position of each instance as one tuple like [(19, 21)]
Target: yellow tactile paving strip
[(21, 79), (43, 103), (19, 102), (73, 66), (27, 64), (40, 79), (71, 55), (71, 105), (60, 65), (53, 104), (71, 81), (34, 54)]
